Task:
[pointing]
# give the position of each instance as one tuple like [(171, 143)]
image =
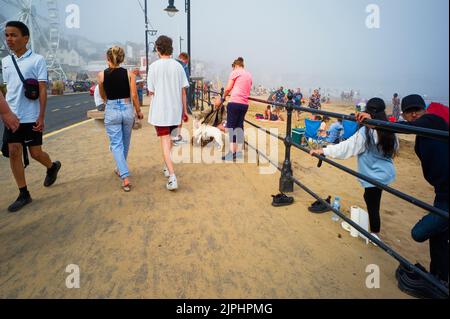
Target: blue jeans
[(435, 229), (141, 96), (119, 120)]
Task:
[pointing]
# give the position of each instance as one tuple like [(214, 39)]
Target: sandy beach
[(217, 237)]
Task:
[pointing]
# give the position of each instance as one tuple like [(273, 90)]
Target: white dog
[(205, 132)]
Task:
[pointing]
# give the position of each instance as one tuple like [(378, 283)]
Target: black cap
[(414, 101), (375, 106)]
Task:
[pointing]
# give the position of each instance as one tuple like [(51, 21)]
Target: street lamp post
[(171, 11), (181, 44), (147, 31), (146, 37)]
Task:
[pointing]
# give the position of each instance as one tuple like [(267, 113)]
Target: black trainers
[(319, 208), (52, 174), (282, 200), (21, 202), (415, 286)]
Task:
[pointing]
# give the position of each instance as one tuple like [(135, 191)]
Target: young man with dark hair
[(433, 155), (31, 113), (167, 83)]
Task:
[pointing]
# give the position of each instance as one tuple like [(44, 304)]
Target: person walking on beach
[(183, 59), (375, 150), (239, 86), (396, 107), (118, 88), (8, 117), (298, 97), (168, 83), (433, 155), (139, 86), (29, 106)]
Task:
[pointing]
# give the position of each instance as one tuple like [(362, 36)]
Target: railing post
[(197, 95), (209, 95), (203, 97), (286, 182), (191, 97)]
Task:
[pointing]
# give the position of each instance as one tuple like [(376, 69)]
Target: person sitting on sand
[(269, 115), (334, 133), (279, 113), (323, 131), (375, 149)]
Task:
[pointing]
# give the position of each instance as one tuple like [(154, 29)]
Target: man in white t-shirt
[(30, 112), (167, 83)]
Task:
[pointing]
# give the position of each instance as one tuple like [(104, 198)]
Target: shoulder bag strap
[(17, 69)]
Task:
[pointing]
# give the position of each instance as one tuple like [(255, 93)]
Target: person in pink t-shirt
[(239, 87)]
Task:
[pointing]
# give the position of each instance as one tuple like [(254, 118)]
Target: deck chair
[(350, 129), (312, 130)]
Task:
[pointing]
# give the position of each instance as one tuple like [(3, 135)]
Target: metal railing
[(287, 179)]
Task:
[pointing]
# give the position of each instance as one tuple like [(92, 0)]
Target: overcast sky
[(300, 43)]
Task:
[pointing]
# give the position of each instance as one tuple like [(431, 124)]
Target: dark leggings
[(372, 196), (235, 121)]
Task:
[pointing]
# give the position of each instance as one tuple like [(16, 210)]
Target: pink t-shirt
[(242, 86)]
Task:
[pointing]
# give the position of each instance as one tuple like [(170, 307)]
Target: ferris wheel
[(44, 31)]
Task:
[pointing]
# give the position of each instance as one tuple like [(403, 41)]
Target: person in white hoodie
[(375, 149)]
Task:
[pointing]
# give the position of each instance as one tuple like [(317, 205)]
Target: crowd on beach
[(23, 113)]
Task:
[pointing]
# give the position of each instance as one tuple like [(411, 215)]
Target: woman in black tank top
[(116, 84), (118, 88)]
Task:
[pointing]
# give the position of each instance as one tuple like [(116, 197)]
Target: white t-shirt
[(32, 66), (166, 80)]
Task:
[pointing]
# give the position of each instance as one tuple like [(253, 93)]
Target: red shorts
[(165, 130)]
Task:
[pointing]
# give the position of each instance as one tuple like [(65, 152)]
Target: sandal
[(282, 200), (346, 226), (126, 188)]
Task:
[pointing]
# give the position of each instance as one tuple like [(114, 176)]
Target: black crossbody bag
[(31, 86)]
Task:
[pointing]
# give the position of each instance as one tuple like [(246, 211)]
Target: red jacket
[(439, 110)]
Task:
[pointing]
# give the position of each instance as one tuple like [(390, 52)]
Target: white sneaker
[(377, 237), (178, 141), (172, 184), (166, 172)]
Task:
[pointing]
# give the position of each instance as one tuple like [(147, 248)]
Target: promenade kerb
[(287, 179)]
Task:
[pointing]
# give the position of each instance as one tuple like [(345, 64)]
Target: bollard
[(286, 182)]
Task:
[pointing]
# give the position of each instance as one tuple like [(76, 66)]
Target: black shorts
[(24, 135)]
